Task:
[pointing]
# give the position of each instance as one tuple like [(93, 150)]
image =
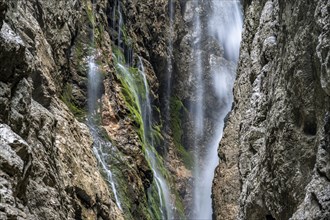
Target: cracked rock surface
[(274, 155)]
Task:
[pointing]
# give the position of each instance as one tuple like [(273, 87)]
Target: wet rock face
[(274, 159), (47, 167), (44, 50), (148, 24)]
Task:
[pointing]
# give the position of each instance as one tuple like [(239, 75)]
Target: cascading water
[(228, 31), (224, 25), (101, 148), (162, 188), (141, 97), (169, 60), (198, 112), (199, 92), (143, 100)]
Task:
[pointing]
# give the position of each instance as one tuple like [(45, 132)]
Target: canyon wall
[(47, 165), (274, 155)]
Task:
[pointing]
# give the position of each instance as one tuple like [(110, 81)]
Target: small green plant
[(134, 93), (176, 113), (157, 135), (89, 11), (67, 98)]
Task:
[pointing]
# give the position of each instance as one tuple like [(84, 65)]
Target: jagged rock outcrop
[(148, 24), (274, 155), (47, 167)]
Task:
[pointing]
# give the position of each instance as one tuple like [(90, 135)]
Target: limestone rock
[(47, 166), (273, 158)]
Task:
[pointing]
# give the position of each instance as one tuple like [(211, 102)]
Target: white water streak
[(101, 150), (101, 147), (169, 67), (145, 109), (225, 25), (163, 190)]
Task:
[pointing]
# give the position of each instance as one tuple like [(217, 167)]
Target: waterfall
[(228, 31), (94, 81), (142, 97), (169, 61), (162, 187), (199, 92), (198, 112), (224, 26), (101, 148)]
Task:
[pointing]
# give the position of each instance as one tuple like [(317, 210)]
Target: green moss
[(89, 11), (99, 34), (126, 38), (67, 98), (79, 51), (179, 207), (157, 135), (153, 202), (176, 114), (133, 93), (120, 171), (118, 55), (132, 90)]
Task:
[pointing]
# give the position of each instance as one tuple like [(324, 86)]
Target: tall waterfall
[(169, 60), (101, 148), (162, 187), (141, 96), (224, 26)]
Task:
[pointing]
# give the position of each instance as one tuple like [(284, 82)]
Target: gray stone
[(274, 153)]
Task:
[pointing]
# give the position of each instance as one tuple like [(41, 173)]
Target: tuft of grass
[(67, 98), (176, 113), (89, 11), (133, 93)]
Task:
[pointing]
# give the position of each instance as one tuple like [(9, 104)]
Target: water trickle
[(101, 148), (142, 97), (120, 23), (94, 81), (162, 187), (169, 61), (225, 26)]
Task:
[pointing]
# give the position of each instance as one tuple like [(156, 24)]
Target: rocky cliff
[(47, 165), (274, 156), (48, 170)]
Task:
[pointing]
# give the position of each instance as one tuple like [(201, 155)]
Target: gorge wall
[(47, 165), (48, 170), (274, 155)]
